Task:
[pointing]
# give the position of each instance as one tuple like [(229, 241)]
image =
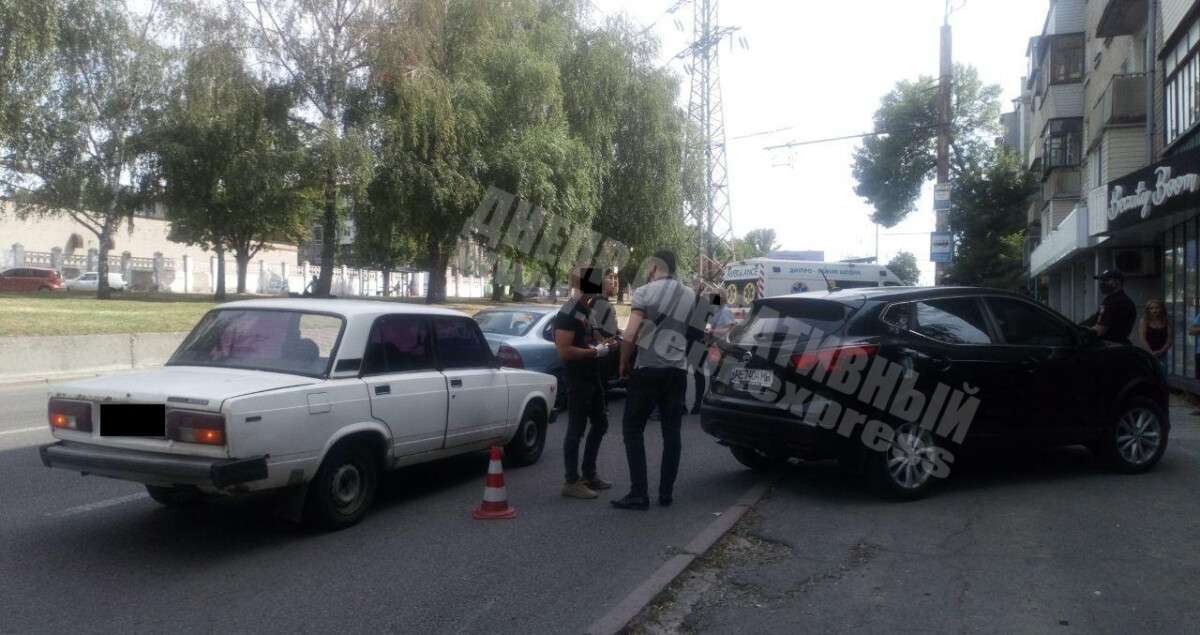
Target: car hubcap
[(347, 485), (531, 434), (1139, 434), (910, 459)]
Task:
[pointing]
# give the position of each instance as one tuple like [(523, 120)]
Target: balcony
[(1070, 236), (1123, 102), (1121, 17), (1061, 184)]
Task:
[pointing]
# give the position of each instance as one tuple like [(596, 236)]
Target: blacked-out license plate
[(133, 420)]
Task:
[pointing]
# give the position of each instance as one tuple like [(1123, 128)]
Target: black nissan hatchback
[(894, 382)]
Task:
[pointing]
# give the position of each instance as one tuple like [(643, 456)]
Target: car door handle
[(456, 383), (939, 363), (383, 389)]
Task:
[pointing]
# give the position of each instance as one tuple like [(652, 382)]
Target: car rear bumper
[(152, 467), (776, 434)]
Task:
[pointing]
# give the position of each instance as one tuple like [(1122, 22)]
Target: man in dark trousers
[(658, 327), (581, 347), (1117, 315)]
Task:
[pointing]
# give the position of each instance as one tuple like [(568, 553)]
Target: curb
[(617, 619)]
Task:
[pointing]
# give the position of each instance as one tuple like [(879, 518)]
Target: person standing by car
[(719, 325), (581, 351), (1114, 321), (658, 326), (1156, 330)]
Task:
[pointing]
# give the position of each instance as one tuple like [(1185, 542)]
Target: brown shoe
[(596, 483), (578, 490)]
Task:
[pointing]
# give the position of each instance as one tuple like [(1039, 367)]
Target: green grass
[(60, 313)]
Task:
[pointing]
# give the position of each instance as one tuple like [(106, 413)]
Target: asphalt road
[(88, 554), (1047, 542)]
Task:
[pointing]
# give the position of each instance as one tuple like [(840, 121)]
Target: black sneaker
[(640, 503)]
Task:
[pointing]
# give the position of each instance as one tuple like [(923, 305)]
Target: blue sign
[(941, 247)]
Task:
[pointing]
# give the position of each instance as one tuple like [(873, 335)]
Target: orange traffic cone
[(495, 496)]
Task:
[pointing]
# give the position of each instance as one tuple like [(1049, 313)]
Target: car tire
[(175, 496), (527, 444), (344, 488), (1137, 439), (753, 459), (907, 469)]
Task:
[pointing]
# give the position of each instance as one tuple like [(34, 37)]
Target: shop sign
[(1169, 186)]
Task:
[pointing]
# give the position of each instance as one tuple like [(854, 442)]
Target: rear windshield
[(507, 322), (786, 318), (281, 341)]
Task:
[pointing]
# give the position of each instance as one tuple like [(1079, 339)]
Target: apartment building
[(1109, 118)]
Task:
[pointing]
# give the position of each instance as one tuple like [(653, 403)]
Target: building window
[(1063, 143), (1181, 90), (1066, 58)]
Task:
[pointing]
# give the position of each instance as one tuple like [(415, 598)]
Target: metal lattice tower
[(706, 137)]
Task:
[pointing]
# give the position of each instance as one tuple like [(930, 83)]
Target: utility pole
[(945, 80), (706, 136)]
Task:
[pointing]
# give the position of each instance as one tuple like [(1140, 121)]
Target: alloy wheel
[(1139, 434), (910, 459)]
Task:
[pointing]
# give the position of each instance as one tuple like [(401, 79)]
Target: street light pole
[(942, 223)]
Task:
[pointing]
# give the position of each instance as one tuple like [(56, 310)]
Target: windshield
[(507, 322), (262, 339)]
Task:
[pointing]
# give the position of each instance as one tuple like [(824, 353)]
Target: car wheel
[(754, 459), (344, 488), (907, 469), (1138, 438), (529, 441), (176, 496)]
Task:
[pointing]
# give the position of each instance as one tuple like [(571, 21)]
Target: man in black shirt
[(1117, 315), (581, 346)]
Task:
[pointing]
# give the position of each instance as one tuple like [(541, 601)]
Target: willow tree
[(467, 95)]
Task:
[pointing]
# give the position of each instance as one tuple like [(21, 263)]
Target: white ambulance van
[(748, 280)]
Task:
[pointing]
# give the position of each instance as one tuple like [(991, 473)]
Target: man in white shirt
[(658, 327)]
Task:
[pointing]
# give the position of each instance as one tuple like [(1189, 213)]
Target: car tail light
[(189, 426), (70, 415), (509, 357), (831, 358)]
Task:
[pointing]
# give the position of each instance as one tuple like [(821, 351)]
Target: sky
[(820, 68)]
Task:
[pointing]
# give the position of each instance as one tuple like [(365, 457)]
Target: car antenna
[(828, 286)]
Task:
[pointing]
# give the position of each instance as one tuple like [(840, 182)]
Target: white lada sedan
[(315, 397)]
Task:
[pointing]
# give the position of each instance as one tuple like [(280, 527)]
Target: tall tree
[(109, 71), (321, 46), (987, 218), (904, 265), (891, 166), (228, 165)]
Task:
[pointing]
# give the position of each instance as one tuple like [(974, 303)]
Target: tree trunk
[(329, 243), (439, 261), (220, 281), (243, 263), (102, 290), (497, 283), (387, 282), (554, 287)]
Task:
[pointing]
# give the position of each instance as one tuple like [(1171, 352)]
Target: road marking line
[(83, 509), (20, 430)]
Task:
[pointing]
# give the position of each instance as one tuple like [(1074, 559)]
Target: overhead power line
[(792, 144)]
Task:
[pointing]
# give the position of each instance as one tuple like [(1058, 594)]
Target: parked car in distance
[(522, 336), (90, 280), (311, 397), (30, 279), (1041, 381)]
